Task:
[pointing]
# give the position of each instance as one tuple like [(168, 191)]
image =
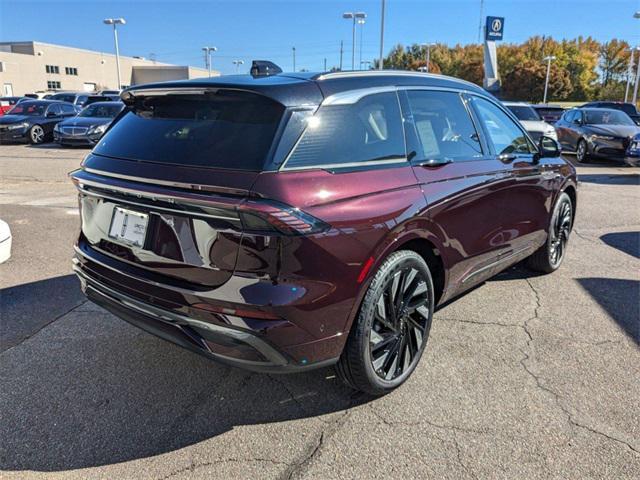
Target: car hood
[(84, 121), (7, 119), (615, 130), (536, 126)]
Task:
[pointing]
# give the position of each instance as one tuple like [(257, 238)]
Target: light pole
[(635, 87), (428, 54), (629, 73), (114, 22), (361, 22), (381, 37), (237, 63), (366, 63), (547, 59), (294, 58), (353, 16), (207, 57)]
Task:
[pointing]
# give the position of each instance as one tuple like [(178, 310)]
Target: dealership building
[(36, 67)]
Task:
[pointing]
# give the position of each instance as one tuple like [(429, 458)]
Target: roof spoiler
[(264, 68)]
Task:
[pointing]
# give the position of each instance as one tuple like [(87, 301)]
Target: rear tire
[(391, 331), (548, 258), (582, 151), (36, 135)]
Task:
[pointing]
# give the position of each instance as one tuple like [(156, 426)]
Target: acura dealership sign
[(494, 28)]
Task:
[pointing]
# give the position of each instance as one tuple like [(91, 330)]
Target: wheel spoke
[(382, 342)]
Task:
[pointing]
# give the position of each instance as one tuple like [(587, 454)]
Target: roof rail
[(374, 73)]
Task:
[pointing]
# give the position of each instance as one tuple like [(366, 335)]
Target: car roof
[(292, 89), (114, 102), (516, 104)]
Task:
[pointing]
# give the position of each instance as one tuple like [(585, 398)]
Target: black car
[(88, 126), (33, 120), (628, 108), (597, 132), (79, 99), (549, 113)]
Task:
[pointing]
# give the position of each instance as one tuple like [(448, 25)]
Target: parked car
[(7, 103), (33, 120), (549, 113), (531, 121), (628, 108), (596, 132), (79, 99), (109, 93), (302, 220), (88, 126)]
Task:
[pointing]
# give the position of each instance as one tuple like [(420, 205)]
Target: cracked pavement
[(526, 376)]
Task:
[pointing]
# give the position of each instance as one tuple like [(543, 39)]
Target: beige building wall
[(23, 69)]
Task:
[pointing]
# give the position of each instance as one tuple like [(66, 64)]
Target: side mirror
[(548, 147)]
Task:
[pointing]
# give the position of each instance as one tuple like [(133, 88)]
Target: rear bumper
[(214, 337)]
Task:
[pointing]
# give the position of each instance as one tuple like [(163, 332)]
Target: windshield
[(524, 112), (28, 108), (101, 111), (607, 117), (222, 129)]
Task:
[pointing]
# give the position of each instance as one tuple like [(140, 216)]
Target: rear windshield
[(607, 117), (29, 108), (524, 112), (223, 129)]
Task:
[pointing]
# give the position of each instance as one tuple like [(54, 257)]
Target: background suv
[(293, 221), (531, 121)]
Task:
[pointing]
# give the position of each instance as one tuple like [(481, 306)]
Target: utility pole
[(361, 22), (381, 37), (325, 65), (294, 58), (635, 87), (546, 82), (341, 52), (629, 75), (480, 26), (427, 55)]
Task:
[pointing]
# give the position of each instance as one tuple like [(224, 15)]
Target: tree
[(527, 82)]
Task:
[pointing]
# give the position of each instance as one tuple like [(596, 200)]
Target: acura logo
[(496, 25)]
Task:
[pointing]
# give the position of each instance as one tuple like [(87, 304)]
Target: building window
[(52, 68), (71, 70), (53, 85)]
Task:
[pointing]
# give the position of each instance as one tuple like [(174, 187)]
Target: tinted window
[(28, 108), (502, 132), (101, 110), (54, 109), (368, 130), (607, 117), (523, 112), (225, 129), (67, 109), (443, 126), (82, 99)]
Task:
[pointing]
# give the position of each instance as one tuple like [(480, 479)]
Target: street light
[(114, 22), (361, 22), (547, 59), (635, 87), (380, 59), (637, 14), (428, 56), (629, 72), (354, 16), (207, 57), (237, 63)]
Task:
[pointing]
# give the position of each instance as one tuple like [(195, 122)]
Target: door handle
[(435, 162)]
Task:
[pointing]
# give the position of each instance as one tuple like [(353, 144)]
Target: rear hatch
[(167, 189)]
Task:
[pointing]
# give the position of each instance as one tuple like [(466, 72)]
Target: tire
[(387, 324), (582, 151), (548, 258), (36, 135)]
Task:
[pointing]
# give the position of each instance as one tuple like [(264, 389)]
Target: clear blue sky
[(176, 30)]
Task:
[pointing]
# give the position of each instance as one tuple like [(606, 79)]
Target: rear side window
[(443, 126), (225, 129), (348, 135), (502, 132)]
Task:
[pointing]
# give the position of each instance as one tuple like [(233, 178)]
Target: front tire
[(582, 151), (36, 135), (390, 333), (548, 258)]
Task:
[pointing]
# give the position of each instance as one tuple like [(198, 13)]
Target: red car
[(293, 221), (7, 103)]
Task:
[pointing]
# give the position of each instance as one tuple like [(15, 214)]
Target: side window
[(577, 117), (82, 99), (443, 126), (55, 109), (68, 109), (368, 130), (502, 132), (568, 116)]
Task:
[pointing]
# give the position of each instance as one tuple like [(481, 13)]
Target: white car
[(5, 241), (531, 121)]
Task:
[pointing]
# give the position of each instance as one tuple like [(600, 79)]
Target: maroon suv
[(291, 221)]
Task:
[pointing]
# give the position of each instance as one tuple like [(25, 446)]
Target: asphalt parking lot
[(524, 377)]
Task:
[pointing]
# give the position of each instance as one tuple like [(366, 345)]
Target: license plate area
[(129, 227)]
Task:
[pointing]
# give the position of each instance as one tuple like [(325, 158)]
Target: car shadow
[(609, 179), (91, 390), (621, 300), (627, 242)]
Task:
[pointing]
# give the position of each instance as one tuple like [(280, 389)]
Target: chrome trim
[(495, 263), (389, 161), (350, 97), (167, 316), (153, 181), (382, 73)]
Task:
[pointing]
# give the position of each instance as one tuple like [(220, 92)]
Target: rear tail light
[(268, 216)]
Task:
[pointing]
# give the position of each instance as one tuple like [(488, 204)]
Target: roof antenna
[(264, 68)]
